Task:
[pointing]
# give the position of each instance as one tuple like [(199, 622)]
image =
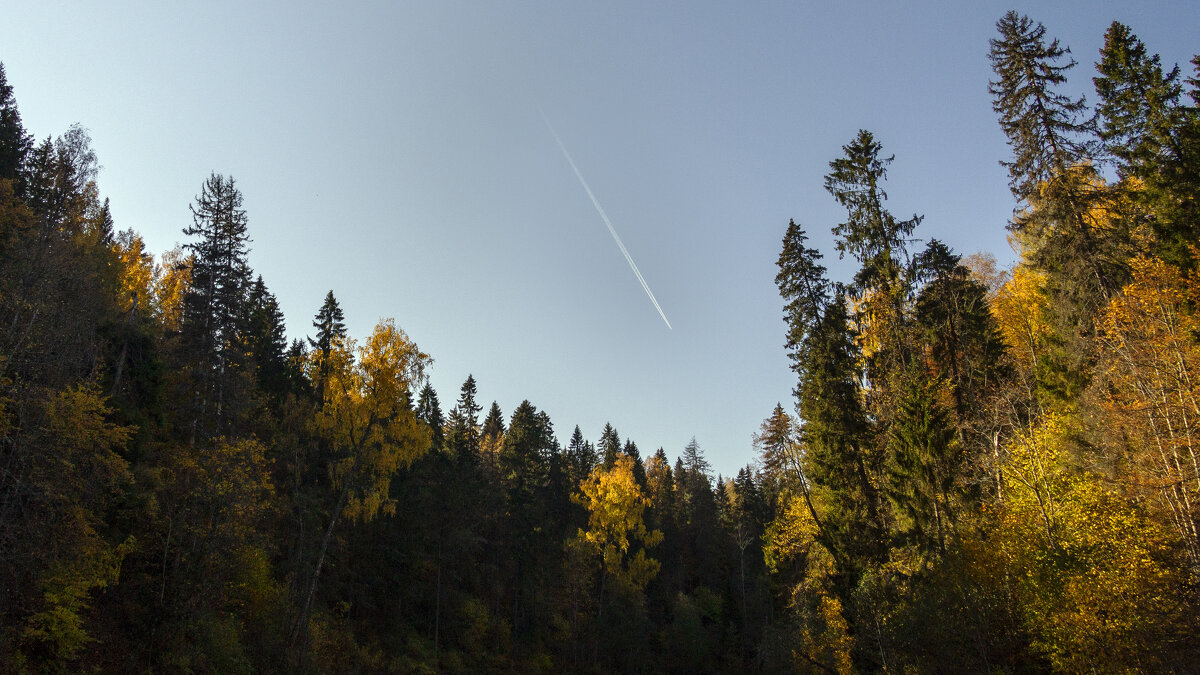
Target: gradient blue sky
[(394, 153)]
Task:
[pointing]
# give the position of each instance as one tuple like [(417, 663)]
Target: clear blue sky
[(394, 153)]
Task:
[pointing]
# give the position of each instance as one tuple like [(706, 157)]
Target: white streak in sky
[(604, 217)]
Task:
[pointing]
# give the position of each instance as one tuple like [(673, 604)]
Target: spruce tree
[(330, 324), (871, 234), (1046, 130), (1151, 136), (493, 424), (639, 468), (582, 456), (464, 422), (924, 467), (265, 341), (1137, 103), (805, 290), (15, 143), (430, 412), (214, 304), (1052, 173), (609, 446)]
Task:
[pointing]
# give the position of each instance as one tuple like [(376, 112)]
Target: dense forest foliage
[(986, 469)]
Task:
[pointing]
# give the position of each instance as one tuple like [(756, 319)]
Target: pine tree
[(265, 341), (805, 290), (1152, 137), (15, 143), (1052, 173), (609, 446), (871, 234), (330, 324), (1045, 129), (213, 306), (429, 412)]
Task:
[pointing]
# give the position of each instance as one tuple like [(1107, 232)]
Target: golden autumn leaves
[(616, 529)]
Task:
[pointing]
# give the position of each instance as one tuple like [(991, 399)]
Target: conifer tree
[(15, 143), (776, 442), (430, 412), (582, 456), (609, 446), (871, 234), (1152, 137), (330, 324), (493, 424), (639, 468), (805, 290), (840, 457), (1046, 129), (1137, 103), (1052, 172), (952, 311), (213, 306), (464, 422), (265, 340), (924, 467)]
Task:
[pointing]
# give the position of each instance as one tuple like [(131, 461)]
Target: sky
[(396, 153)]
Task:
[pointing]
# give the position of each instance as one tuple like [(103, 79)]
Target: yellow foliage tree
[(1092, 575), (170, 286), (1150, 355), (1020, 308), (368, 426), (75, 474), (616, 529)]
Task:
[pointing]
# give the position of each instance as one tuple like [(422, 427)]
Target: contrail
[(604, 217)]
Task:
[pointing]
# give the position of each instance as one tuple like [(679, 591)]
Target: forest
[(983, 469)]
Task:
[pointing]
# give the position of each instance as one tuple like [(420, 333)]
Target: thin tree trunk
[(300, 629)]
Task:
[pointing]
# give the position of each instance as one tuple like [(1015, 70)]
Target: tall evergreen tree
[(1137, 103), (924, 467), (430, 412), (464, 421), (1052, 172), (1046, 130), (1152, 136), (213, 306), (265, 341), (330, 324), (582, 456), (609, 446), (840, 456), (871, 234), (493, 424), (805, 290), (15, 143), (776, 441), (639, 468)]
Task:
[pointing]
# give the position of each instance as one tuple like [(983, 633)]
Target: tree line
[(984, 470)]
